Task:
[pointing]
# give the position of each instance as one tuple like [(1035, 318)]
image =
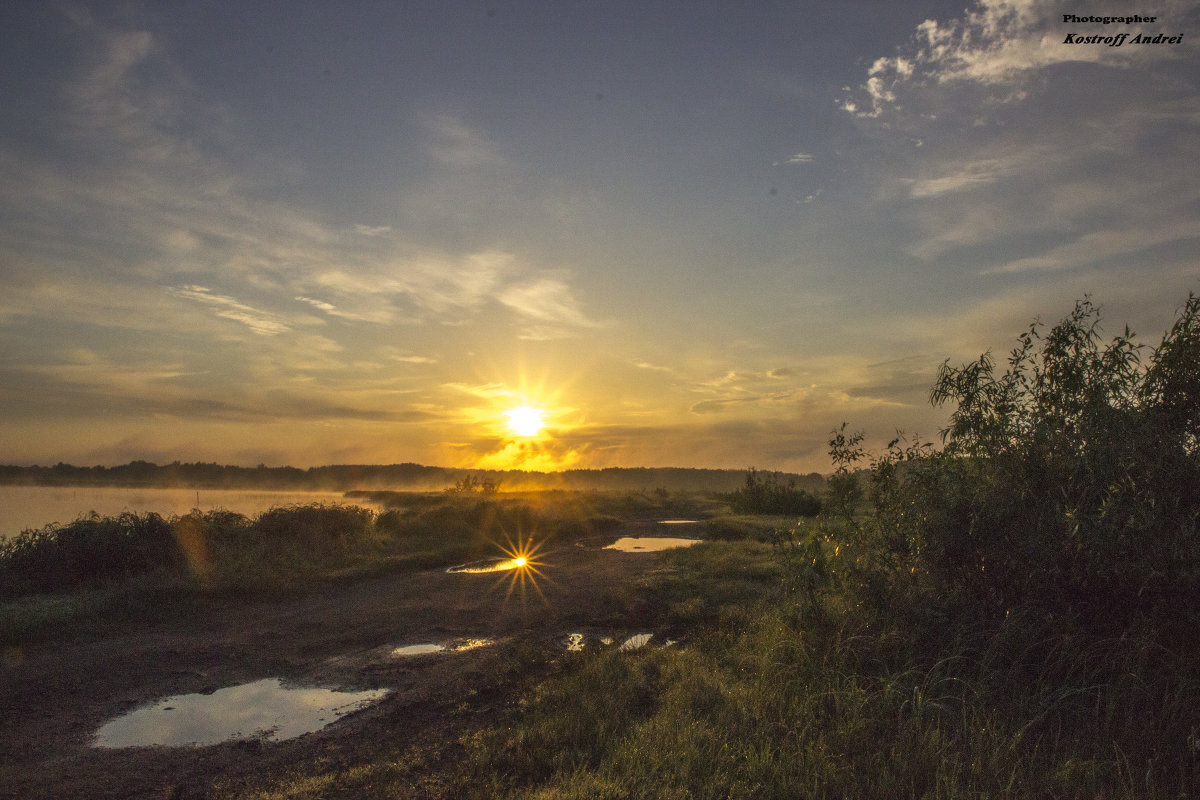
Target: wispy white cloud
[(798, 158), (372, 230), (549, 304), (1097, 246), (454, 143), (164, 205), (261, 322), (320, 305), (965, 176)]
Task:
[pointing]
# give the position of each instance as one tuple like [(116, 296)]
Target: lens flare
[(525, 572)]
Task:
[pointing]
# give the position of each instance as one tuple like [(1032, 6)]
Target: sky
[(692, 234)]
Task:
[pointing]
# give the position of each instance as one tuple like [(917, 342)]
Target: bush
[(765, 493), (1070, 481), (320, 529), (88, 552)]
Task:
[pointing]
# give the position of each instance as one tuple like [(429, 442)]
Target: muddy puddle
[(428, 648), (636, 642), (577, 642), (265, 709)]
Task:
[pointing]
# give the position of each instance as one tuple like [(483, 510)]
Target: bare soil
[(55, 695)]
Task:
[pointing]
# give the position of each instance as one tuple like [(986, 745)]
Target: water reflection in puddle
[(263, 709), (638, 640), (489, 565), (679, 522), (649, 544), (457, 646)]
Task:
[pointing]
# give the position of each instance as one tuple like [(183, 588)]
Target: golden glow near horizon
[(525, 421)]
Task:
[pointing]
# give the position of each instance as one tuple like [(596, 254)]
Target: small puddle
[(456, 646), (576, 642), (635, 642), (264, 709), (649, 544), (679, 522), (489, 565), (419, 649)]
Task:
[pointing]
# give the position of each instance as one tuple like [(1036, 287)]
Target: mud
[(55, 696)]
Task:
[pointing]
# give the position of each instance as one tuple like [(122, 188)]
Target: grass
[(865, 687), (772, 698), (767, 695), (98, 572)]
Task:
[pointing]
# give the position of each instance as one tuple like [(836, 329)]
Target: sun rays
[(525, 571)]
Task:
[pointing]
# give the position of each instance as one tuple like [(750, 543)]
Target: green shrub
[(88, 552), (1070, 481), (318, 528), (765, 493)]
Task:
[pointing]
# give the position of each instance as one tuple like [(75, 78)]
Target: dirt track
[(55, 696)]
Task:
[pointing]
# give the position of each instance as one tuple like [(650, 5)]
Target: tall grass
[(854, 702)]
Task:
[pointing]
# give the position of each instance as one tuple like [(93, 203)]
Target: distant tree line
[(345, 477)]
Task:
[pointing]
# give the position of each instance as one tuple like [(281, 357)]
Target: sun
[(525, 421)]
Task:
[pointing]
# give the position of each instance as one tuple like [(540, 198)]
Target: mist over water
[(23, 507)]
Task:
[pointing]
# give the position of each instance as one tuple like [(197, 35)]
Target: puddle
[(489, 565), (264, 709), (418, 649), (649, 544), (679, 522), (576, 642), (635, 642), (456, 646)]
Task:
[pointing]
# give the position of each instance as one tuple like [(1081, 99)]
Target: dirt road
[(55, 696)]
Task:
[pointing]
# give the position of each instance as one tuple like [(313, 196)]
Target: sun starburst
[(525, 572)]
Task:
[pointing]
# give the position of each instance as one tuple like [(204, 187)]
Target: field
[(771, 688), (1015, 614)]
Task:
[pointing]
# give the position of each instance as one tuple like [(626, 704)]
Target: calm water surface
[(266, 709), (23, 507)]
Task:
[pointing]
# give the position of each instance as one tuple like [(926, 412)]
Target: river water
[(23, 507)]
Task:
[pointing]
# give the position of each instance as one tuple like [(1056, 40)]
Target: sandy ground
[(55, 696)]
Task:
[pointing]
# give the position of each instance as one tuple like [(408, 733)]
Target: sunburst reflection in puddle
[(264, 709), (489, 565)]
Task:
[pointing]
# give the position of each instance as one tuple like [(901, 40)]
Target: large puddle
[(649, 544), (265, 709)]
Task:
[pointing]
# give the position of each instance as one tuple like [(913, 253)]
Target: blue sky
[(693, 233)]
